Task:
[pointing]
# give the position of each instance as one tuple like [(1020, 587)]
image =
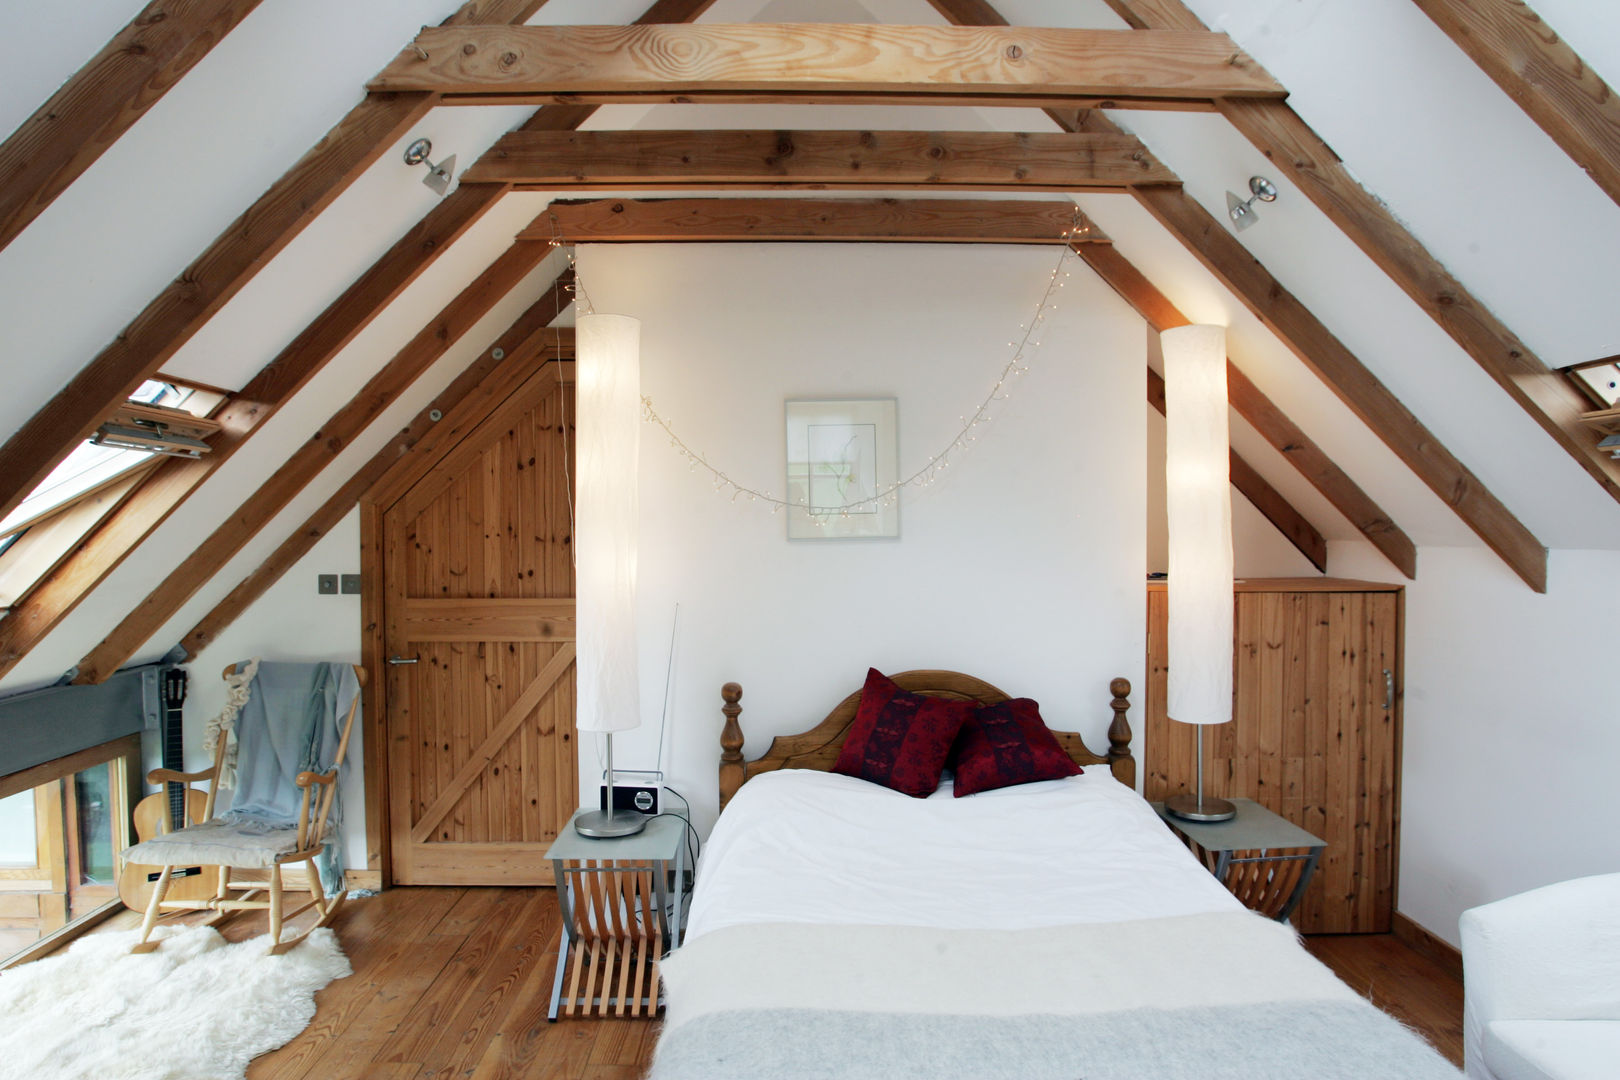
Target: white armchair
[(1541, 983)]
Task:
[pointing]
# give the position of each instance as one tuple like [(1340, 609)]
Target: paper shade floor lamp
[(1198, 502), (608, 417)]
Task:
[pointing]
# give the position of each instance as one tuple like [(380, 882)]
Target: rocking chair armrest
[(160, 776), (304, 779)]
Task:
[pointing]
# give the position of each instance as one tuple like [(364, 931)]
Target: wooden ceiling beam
[(944, 221), (1366, 395), (1546, 77), (1045, 102), (1547, 396), (952, 160), (1271, 422), (57, 594), (941, 65), (1305, 335), (477, 391), (181, 309), (75, 126), (317, 452), (1288, 141), (26, 624)]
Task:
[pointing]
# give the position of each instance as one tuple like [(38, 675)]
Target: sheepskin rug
[(196, 1008)]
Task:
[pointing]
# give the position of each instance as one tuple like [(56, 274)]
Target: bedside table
[(618, 916), (1266, 861)]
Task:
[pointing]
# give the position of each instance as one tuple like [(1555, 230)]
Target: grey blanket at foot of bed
[(1312, 1040)]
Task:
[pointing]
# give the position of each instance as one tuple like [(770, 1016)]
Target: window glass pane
[(89, 466), (17, 830), (93, 793), (58, 853)]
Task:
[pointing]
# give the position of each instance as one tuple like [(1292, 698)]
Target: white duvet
[(798, 846)]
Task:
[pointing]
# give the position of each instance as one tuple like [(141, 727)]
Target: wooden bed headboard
[(818, 748)]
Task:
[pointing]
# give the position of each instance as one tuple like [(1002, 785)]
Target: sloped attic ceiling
[(1473, 178)]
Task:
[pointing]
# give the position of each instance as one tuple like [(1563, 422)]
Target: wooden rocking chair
[(280, 848)]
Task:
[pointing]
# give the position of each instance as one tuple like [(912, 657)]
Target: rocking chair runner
[(269, 850)]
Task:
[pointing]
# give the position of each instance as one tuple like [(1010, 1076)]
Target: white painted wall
[(1024, 566)]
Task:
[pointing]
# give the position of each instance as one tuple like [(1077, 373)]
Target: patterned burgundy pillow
[(900, 739), (1007, 744)]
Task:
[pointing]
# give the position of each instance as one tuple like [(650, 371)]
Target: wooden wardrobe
[(1315, 734)]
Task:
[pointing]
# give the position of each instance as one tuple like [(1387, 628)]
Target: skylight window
[(90, 467)]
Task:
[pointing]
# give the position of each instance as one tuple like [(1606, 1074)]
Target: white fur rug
[(196, 1008)]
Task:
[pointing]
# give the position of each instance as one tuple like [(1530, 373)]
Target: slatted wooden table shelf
[(619, 916), (1265, 860)]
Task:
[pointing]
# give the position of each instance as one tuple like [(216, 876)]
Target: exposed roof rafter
[(26, 624), (67, 134), (460, 406), (1349, 378), (316, 453), (1546, 77), (1251, 403), (230, 262), (1305, 335)]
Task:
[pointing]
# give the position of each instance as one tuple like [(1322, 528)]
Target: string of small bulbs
[(1015, 367)]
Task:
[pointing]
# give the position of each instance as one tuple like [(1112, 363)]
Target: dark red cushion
[(1007, 744), (900, 739)]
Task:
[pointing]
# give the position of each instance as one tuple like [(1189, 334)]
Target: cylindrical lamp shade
[(1199, 508), (608, 419)]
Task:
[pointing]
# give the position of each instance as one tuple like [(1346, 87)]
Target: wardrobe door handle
[(413, 659), (1389, 689)]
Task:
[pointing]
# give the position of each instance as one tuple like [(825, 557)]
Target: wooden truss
[(1169, 60)]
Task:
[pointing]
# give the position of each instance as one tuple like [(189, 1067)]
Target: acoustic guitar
[(173, 808)]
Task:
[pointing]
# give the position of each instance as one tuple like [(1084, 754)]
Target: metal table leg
[(565, 939)]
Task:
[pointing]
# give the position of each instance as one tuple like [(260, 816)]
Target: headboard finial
[(1119, 733), (732, 769)]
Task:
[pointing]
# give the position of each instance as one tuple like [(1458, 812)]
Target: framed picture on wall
[(842, 464)]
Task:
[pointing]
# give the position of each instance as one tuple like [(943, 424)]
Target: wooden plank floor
[(457, 981)]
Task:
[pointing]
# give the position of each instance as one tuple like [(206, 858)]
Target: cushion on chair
[(1552, 1049), (224, 841)]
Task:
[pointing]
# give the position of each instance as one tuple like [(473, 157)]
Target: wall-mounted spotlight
[(1241, 211), (438, 177)]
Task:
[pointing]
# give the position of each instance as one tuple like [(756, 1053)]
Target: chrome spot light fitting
[(438, 177), (1241, 211)]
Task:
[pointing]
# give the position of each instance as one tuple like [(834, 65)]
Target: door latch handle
[(1389, 689), (413, 659)]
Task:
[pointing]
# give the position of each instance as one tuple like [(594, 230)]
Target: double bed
[(1050, 929)]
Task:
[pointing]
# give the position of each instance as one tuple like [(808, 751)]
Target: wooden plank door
[(478, 586), (1313, 737)]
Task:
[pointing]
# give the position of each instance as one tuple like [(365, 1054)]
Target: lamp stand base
[(1196, 808), (609, 824)]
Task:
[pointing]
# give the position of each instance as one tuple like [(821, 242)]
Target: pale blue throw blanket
[(292, 723), (289, 719)]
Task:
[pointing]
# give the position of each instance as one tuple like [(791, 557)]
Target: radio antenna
[(669, 670)]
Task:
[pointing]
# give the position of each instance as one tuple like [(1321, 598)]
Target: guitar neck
[(174, 749)]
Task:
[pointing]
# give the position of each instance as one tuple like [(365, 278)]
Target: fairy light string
[(1017, 365)]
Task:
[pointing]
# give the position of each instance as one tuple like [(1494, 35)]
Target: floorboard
[(457, 981)]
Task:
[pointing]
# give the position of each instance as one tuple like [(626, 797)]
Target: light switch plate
[(350, 584), (326, 584)]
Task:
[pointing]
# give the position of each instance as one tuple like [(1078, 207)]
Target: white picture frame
[(842, 465)]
